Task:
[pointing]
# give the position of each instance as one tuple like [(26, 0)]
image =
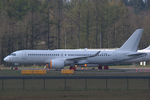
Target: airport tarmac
[(82, 89), (125, 70), (109, 72), (117, 71), (140, 71)]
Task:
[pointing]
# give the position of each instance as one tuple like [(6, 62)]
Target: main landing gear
[(72, 68), (106, 67), (101, 67)]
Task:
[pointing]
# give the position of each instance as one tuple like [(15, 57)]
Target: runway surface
[(87, 72), (120, 70), (109, 72)]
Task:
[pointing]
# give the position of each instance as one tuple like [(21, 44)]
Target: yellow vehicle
[(67, 71), (29, 72)]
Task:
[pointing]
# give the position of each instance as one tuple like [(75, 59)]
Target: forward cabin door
[(24, 54), (24, 57)]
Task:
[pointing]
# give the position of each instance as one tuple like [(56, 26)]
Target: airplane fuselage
[(108, 57)]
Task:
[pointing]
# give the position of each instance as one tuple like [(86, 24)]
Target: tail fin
[(133, 42)]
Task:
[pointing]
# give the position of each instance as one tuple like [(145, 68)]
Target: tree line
[(69, 24)]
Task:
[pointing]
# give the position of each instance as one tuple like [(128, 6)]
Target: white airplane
[(67, 57)]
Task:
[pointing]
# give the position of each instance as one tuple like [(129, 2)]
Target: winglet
[(95, 54), (133, 42)]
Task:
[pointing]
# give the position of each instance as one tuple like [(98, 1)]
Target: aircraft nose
[(6, 59)]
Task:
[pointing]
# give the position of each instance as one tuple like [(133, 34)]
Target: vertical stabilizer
[(133, 42)]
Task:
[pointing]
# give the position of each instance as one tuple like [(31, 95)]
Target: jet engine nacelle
[(56, 64)]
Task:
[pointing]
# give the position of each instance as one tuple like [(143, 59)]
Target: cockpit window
[(13, 54)]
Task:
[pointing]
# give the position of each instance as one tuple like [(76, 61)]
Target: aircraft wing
[(82, 58)]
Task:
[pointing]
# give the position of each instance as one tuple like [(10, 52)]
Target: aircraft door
[(24, 57), (24, 54)]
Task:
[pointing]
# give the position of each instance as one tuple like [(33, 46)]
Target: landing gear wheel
[(72, 68), (100, 67), (106, 67), (15, 68)]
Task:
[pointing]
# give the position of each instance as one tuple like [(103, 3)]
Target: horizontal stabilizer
[(137, 54), (148, 48), (133, 42)]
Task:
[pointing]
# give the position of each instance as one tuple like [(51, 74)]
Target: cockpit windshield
[(13, 54)]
